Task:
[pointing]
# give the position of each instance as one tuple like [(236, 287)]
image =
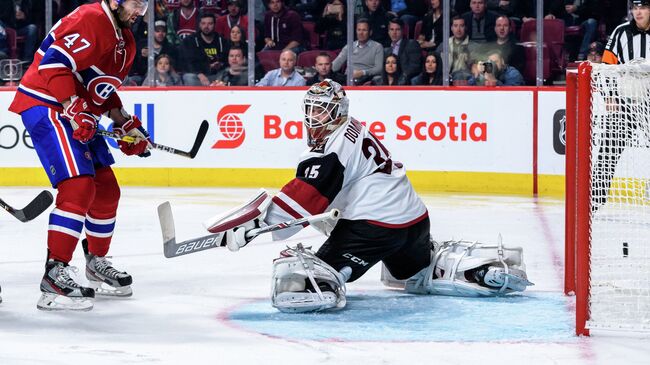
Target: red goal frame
[(578, 191)]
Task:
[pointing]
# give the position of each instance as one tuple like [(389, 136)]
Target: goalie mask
[(302, 282), (325, 108)]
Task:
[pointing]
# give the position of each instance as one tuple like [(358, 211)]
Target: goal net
[(608, 201)]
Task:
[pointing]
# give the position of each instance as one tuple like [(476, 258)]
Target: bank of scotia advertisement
[(472, 131)]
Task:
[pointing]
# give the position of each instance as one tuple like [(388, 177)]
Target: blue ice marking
[(394, 316)]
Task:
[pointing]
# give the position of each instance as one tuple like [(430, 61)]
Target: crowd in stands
[(298, 42)]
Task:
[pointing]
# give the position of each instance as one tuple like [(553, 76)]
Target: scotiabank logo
[(231, 126), (452, 130)]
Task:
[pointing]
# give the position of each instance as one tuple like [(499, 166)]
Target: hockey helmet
[(325, 108)]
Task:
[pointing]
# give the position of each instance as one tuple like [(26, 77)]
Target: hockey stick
[(203, 130), (171, 248), (37, 206)]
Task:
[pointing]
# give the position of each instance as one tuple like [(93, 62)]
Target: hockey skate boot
[(496, 277), (104, 278), (61, 292)]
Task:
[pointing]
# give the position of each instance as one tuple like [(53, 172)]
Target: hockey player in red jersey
[(71, 83), (382, 219)]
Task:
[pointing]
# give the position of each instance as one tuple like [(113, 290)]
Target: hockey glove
[(133, 128), (236, 237), (82, 120)]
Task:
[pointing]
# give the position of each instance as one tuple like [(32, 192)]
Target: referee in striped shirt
[(629, 41)]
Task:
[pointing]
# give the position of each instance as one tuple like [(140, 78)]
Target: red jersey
[(85, 54), (225, 23), (187, 25)]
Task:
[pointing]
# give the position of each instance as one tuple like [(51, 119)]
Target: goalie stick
[(203, 130), (37, 206), (171, 248)]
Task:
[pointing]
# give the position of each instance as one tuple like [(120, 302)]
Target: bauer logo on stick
[(231, 126)]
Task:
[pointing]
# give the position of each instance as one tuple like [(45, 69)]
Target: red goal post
[(607, 222)]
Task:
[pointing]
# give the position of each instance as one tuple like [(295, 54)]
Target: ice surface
[(212, 307)]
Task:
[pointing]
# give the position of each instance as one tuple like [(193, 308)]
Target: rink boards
[(506, 140)]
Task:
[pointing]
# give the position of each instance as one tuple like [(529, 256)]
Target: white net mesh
[(620, 218)]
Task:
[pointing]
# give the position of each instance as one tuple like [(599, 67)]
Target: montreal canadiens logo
[(231, 126), (101, 87)]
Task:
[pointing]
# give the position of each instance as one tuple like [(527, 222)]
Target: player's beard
[(119, 13)]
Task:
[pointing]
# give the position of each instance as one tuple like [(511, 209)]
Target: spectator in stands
[(409, 11), (582, 13), (205, 54), (431, 72), (506, 44), (595, 54), (307, 9), (367, 55), (236, 74), (163, 74), (407, 50), (459, 7), (378, 19), (237, 38), (431, 33), (282, 28), (323, 66), (480, 22), (160, 46), (574, 13), (20, 15), (504, 7), (4, 45), (233, 17), (182, 22), (333, 24), (216, 7), (459, 51), (612, 12), (392, 74), (286, 75), (495, 72)]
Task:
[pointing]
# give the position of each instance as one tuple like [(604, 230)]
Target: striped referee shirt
[(626, 43)]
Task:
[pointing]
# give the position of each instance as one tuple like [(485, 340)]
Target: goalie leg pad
[(462, 268), (302, 282)]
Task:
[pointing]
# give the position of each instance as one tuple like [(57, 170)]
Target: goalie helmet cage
[(607, 221)]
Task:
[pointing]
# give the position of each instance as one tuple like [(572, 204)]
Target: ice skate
[(61, 292), (496, 276), (104, 278)]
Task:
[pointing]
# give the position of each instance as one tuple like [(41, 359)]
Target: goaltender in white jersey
[(381, 219)]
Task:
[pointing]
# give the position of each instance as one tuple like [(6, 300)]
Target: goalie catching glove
[(133, 128), (236, 222)]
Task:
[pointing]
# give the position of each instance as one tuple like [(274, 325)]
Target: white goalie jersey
[(353, 172)]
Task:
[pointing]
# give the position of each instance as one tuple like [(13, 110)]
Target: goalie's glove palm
[(236, 237), (141, 143)]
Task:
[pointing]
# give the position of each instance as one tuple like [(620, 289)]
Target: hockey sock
[(100, 220), (67, 219)]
